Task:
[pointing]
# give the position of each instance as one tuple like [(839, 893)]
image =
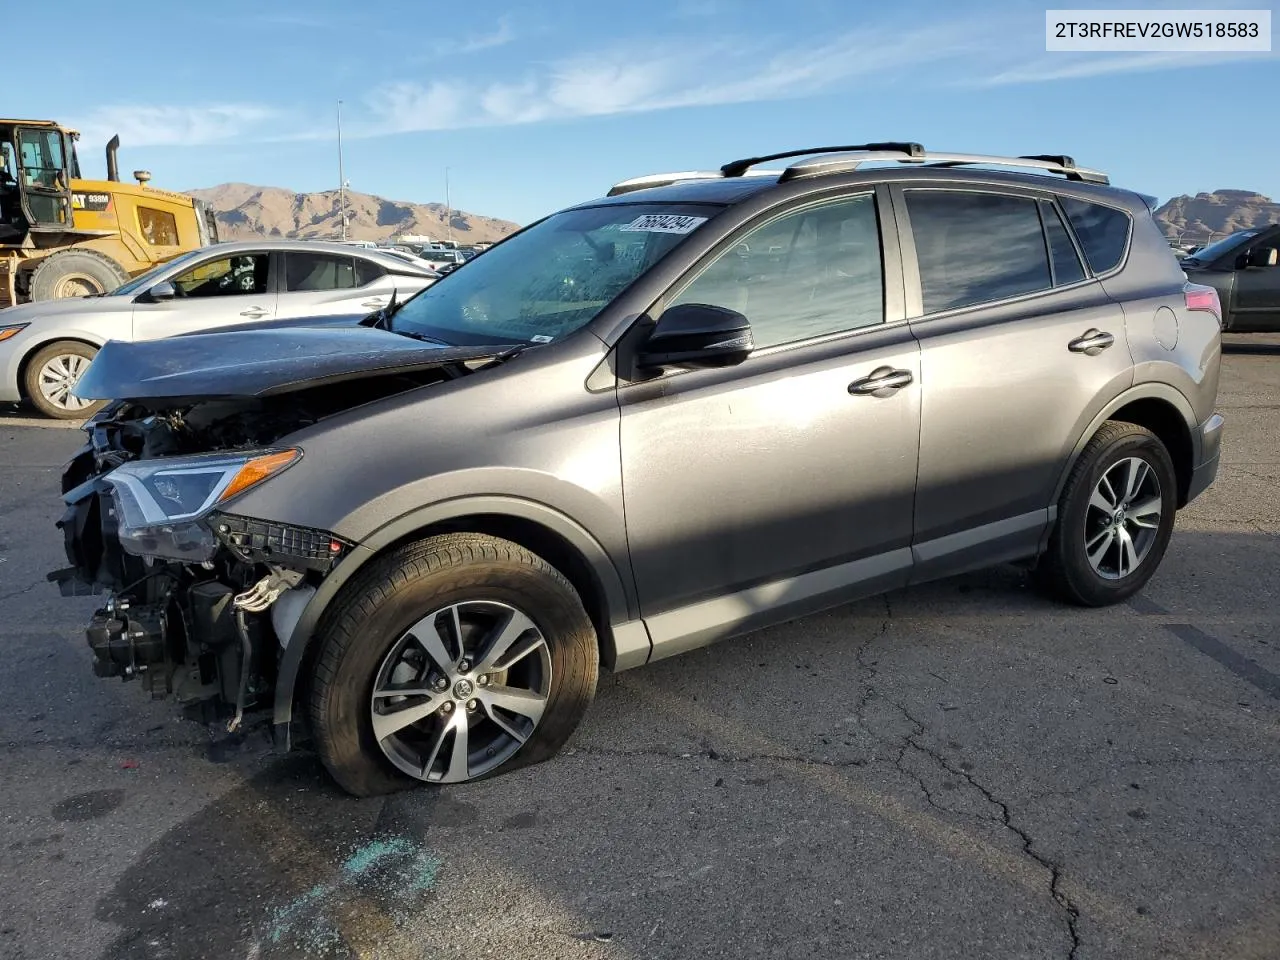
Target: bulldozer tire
[(75, 273)]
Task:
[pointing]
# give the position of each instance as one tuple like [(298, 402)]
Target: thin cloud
[(148, 125), (633, 80), (500, 37), (1067, 67)]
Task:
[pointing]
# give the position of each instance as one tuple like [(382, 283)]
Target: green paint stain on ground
[(374, 851)]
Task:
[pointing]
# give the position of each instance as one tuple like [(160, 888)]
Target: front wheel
[(52, 374), (1115, 518), (447, 661)]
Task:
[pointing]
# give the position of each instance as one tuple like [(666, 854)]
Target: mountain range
[(245, 211), (1208, 216)]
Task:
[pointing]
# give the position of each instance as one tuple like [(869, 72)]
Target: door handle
[(1092, 342), (255, 312), (380, 302), (882, 378)]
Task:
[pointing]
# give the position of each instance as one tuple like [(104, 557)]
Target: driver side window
[(809, 273), (226, 276)]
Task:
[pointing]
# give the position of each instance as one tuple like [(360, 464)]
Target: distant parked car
[(1245, 270), (45, 347)]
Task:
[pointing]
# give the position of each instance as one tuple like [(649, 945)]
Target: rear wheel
[(448, 661), (75, 273), (51, 374), (1115, 518)]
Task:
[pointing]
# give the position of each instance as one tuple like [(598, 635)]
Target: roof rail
[(738, 167), (847, 159), (663, 179), (847, 162)]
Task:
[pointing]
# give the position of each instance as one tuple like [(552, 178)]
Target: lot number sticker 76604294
[(663, 223)]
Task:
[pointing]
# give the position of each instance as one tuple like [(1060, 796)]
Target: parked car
[(46, 347), (1245, 270), (701, 405)]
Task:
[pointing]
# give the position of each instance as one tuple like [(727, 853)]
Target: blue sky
[(535, 106)]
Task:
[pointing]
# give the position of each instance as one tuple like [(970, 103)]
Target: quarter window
[(809, 273), (976, 247), (367, 271), (1103, 232)]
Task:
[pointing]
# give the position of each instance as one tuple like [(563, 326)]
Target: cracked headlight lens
[(158, 504)]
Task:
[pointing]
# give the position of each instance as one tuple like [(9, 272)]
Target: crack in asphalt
[(19, 593), (1071, 911), (912, 741)]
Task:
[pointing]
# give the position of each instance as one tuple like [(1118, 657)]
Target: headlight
[(9, 331), (159, 503)]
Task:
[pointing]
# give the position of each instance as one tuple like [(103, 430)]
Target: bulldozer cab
[(37, 164)]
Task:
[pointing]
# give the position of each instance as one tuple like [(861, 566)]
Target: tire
[(52, 368), (1065, 568), (367, 629), (74, 273)]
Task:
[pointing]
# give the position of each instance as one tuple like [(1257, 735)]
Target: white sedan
[(46, 346)]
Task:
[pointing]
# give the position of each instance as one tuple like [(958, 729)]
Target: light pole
[(448, 207), (342, 182)]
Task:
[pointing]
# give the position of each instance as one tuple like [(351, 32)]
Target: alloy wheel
[(58, 376), (461, 691), (1123, 519)]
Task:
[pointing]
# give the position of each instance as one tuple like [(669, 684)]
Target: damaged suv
[(705, 403)]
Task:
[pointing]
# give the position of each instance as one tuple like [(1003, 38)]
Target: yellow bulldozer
[(64, 236)]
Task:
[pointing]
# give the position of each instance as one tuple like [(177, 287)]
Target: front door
[(220, 291), (43, 181), (1257, 293), (1018, 351), (784, 484)]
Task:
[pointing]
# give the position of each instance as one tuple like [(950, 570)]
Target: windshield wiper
[(421, 336), (381, 319)]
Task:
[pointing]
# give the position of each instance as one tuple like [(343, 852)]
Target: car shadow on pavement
[(603, 839)]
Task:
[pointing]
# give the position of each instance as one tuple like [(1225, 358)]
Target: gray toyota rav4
[(705, 403)]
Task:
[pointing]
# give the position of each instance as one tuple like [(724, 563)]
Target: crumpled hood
[(259, 363)]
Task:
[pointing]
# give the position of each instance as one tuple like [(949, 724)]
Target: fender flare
[(1150, 390), (579, 537)]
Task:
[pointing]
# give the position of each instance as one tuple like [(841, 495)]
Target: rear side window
[(1103, 232), (1066, 263), (367, 271), (317, 271), (976, 247)]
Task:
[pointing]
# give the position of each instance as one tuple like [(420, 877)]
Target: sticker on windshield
[(663, 223), (541, 338)]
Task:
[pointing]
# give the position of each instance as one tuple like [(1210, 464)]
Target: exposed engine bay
[(194, 608)]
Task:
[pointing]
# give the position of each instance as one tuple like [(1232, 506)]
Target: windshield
[(146, 279), (551, 279), (1219, 247)]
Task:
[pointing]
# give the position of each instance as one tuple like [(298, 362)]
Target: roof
[(387, 260)]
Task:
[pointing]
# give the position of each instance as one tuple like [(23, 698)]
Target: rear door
[(1020, 348), (327, 284), (216, 291)]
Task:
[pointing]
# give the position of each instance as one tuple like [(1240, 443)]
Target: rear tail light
[(1203, 299)]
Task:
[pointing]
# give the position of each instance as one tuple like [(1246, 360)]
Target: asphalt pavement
[(963, 769)]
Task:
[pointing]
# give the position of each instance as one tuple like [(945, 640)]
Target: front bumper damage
[(206, 633)]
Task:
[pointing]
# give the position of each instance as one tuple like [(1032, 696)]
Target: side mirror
[(1263, 257), (697, 336), (164, 290)]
